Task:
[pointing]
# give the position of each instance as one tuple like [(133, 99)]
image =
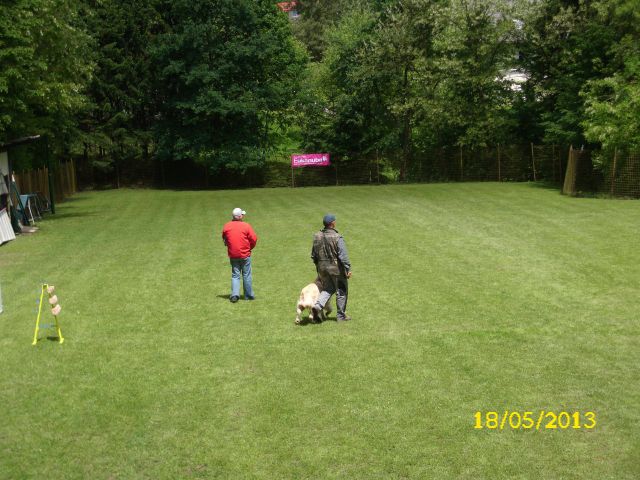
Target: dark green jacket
[(329, 252)]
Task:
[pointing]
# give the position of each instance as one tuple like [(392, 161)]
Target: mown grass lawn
[(464, 297)]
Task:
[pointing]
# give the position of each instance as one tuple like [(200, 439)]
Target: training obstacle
[(55, 311)]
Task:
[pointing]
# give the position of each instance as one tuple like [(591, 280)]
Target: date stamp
[(538, 420)]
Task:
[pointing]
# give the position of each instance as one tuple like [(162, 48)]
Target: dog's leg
[(298, 313)]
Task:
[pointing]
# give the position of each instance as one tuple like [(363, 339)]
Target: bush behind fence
[(500, 163), (614, 173)]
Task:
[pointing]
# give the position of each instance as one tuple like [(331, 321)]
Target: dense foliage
[(45, 67), (229, 82), (227, 71)]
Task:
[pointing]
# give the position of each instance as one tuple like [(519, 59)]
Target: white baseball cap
[(238, 212)]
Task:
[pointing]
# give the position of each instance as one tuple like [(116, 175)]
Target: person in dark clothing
[(329, 253)]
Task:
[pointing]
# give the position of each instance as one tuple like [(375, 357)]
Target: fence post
[(461, 165), (293, 182), (75, 178), (613, 173), (533, 163), (553, 160), (52, 190), (569, 186), (70, 173), (499, 169), (67, 180), (45, 183), (378, 165)]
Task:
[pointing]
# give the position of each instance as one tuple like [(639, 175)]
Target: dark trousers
[(331, 284)]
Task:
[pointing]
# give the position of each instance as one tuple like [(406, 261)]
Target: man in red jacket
[(240, 240)]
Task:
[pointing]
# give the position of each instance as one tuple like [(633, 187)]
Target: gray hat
[(238, 212), (328, 218)]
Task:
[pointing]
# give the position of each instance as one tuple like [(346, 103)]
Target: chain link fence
[(622, 177), (576, 172), (512, 163)]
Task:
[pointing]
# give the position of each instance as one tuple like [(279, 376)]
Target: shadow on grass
[(308, 323), (226, 297), (73, 199), (546, 186), (51, 338), (59, 216)]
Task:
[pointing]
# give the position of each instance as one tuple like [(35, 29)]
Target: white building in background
[(515, 77)]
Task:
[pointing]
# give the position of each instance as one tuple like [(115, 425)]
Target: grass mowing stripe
[(465, 297)]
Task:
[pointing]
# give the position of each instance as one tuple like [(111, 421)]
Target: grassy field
[(464, 297)]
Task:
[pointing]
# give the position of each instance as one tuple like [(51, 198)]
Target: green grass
[(464, 297)]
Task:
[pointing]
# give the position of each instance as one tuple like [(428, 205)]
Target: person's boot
[(316, 314)]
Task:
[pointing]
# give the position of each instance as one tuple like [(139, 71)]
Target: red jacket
[(239, 238)]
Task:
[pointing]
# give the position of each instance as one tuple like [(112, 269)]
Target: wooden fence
[(37, 181)]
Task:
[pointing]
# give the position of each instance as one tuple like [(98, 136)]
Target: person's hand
[(348, 274)]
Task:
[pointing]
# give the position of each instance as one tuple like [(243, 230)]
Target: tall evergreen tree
[(123, 101), (227, 70)]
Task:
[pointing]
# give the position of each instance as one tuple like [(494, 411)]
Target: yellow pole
[(60, 337), (35, 334)]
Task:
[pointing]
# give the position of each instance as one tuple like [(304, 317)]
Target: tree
[(475, 47), (612, 104), (316, 17), (565, 45), (368, 86), (44, 67), (415, 74), (227, 71), (123, 102), (403, 48), (340, 101)]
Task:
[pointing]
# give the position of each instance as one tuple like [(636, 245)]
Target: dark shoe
[(249, 298), (343, 319), (234, 298)]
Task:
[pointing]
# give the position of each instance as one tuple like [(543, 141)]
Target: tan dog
[(308, 298)]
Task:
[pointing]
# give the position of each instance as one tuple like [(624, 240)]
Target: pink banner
[(310, 160)]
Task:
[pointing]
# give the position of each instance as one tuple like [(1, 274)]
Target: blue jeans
[(238, 266)]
